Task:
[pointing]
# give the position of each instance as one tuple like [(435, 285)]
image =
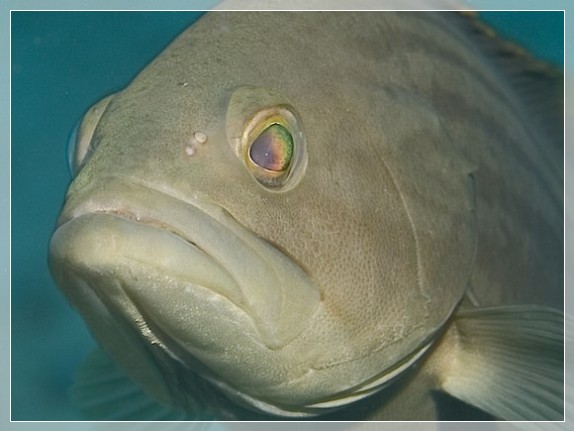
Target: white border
[(147, 5)]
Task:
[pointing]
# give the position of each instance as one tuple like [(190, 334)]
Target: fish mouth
[(163, 251), (188, 278)]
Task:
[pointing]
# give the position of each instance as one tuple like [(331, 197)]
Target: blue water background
[(63, 62)]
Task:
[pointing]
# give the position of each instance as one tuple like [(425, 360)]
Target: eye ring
[(282, 162)]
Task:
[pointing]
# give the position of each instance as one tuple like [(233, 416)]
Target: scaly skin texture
[(420, 175)]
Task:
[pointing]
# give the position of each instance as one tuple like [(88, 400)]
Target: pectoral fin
[(508, 361), (103, 392)]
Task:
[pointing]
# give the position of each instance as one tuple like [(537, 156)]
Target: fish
[(321, 215)]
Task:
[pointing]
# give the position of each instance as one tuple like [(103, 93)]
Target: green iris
[(273, 149)]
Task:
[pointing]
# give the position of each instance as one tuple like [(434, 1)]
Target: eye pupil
[(273, 149)]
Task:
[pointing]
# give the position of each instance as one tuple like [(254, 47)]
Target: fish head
[(279, 238)]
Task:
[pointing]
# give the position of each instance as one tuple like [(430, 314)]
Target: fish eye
[(71, 151), (80, 143), (272, 152), (274, 148), (265, 133)]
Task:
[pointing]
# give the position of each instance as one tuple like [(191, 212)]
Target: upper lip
[(144, 205)]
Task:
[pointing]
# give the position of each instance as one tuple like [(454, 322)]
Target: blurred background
[(62, 63)]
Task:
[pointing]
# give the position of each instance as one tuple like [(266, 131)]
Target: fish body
[(301, 210)]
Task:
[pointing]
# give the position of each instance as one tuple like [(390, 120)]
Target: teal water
[(63, 62), (541, 33)]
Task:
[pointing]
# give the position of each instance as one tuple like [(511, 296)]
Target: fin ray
[(103, 392), (508, 361)]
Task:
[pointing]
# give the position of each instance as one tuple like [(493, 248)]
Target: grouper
[(312, 214)]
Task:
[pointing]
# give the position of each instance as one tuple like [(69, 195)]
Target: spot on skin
[(200, 137), (190, 150)]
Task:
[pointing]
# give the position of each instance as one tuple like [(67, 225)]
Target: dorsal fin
[(540, 85)]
